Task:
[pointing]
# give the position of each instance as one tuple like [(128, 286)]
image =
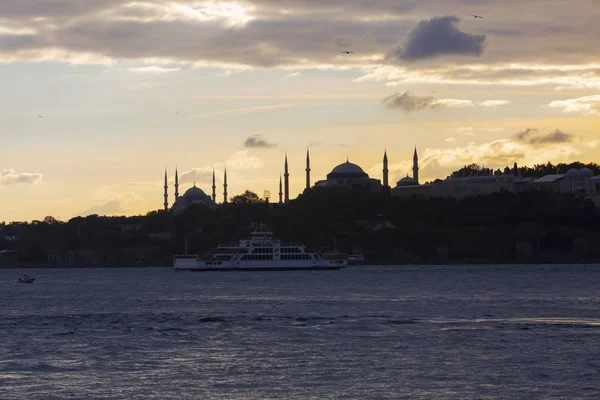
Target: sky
[(99, 97)]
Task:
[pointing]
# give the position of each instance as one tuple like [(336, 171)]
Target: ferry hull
[(258, 269), (203, 266)]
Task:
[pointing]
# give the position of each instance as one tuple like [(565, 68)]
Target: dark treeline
[(537, 171), (531, 226)]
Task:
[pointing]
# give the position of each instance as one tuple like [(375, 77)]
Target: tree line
[(529, 226)]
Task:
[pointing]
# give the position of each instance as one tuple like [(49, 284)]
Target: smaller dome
[(572, 172), (407, 181), (586, 172)]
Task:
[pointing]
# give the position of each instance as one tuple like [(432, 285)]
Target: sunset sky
[(98, 97)]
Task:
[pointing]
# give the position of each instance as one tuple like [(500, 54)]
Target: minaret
[(385, 170), (176, 185), (214, 188), (225, 187), (307, 169), (280, 191), (416, 166), (166, 193), (286, 178)]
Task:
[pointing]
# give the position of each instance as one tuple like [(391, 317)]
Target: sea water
[(404, 332)]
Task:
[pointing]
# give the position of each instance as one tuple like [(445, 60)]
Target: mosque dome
[(407, 181), (572, 172), (195, 195), (586, 172), (347, 170)]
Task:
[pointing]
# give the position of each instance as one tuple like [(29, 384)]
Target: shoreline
[(380, 264)]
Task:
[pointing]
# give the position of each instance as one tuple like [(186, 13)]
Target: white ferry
[(260, 253)]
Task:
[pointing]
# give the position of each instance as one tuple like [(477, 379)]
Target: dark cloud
[(534, 137), (409, 102), (308, 32), (438, 37), (257, 141), (12, 177), (29, 9)]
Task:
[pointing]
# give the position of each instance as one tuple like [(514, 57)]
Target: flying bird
[(39, 116), (347, 52), (476, 16)]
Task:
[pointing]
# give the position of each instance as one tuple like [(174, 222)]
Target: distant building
[(580, 182)]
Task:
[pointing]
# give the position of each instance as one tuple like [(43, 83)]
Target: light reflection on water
[(489, 332)]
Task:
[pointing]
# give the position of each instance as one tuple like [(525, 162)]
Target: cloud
[(240, 160), (588, 105), (120, 204), (563, 76), (533, 137), (528, 146), (247, 110), (153, 69), (111, 207), (257, 141), (301, 34), (438, 37), (400, 169), (12, 177), (454, 103), (409, 102), (493, 103), (438, 162), (465, 130), (497, 153), (199, 174), (450, 139)]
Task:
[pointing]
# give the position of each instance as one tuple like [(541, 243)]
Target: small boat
[(26, 279)]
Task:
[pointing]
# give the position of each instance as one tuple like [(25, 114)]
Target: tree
[(50, 220), (248, 197)]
